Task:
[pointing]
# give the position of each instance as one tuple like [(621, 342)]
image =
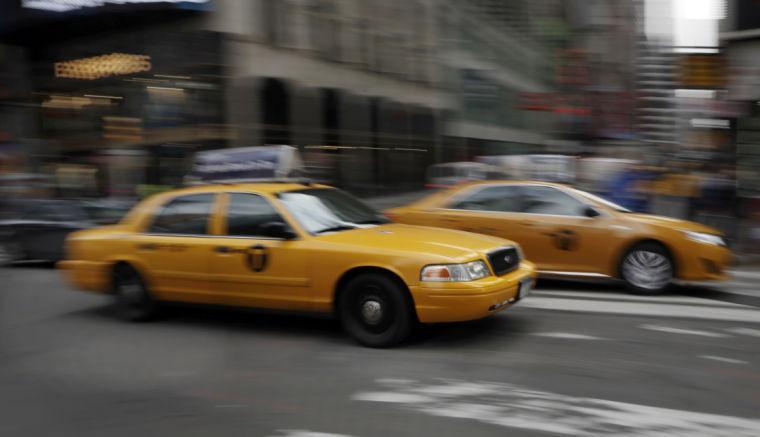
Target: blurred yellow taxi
[(295, 246), (568, 232)]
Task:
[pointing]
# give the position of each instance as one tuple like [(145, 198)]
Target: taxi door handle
[(528, 224), (222, 249), (147, 246)]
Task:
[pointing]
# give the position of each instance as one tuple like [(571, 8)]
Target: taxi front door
[(252, 266), (556, 232)]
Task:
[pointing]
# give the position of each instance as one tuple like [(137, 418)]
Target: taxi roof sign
[(246, 164)]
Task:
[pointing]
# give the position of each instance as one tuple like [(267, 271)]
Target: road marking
[(723, 359), (567, 335), (740, 274), (304, 433), (627, 297), (745, 331), (670, 330), (393, 398), (741, 314), (512, 406)]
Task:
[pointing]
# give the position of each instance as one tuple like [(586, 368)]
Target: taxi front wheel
[(375, 311), (133, 299), (647, 268)]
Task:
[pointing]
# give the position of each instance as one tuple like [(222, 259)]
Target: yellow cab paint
[(574, 245), (302, 273)]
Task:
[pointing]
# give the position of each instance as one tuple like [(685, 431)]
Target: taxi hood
[(446, 244), (672, 223)]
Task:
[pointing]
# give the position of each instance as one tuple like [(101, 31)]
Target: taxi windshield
[(321, 210), (603, 201)]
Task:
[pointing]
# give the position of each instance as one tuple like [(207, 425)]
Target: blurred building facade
[(372, 92), (595, 74), (656, 75), (740, 39)]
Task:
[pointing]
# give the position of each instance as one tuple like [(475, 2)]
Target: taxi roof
[(509, 181), (258, 187)]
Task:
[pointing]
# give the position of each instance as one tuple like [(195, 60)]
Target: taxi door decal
[(565, 239)]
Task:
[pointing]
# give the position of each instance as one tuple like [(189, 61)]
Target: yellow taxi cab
[(568, 232), (296, 246)]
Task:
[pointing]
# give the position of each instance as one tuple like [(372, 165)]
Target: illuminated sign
[(98, 67), (73, 5), (703, 71)]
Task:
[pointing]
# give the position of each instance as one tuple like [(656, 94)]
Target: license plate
[(526, 286)]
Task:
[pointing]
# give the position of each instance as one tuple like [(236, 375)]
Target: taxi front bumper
[(438, 302), (703, 262)]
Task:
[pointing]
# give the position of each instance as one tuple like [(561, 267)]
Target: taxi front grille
[(504, 260)]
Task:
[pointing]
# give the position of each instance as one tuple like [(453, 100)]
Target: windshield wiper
[(336, 228), (372, 222)]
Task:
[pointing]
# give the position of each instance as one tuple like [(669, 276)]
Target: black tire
[(647, 269), (133, 300), (375, 310)]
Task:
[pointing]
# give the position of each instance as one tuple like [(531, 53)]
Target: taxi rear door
[(487, 209), (256, 259), (174, 248)]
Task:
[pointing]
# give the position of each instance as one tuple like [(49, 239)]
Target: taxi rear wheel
[(133, 300), (10, 252), (647, 268), (375, 311)]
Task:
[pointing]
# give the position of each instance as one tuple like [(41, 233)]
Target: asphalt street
[(571, 359)]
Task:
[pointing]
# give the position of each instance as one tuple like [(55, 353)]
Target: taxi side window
[(502, 198), (247, 215), (184, 215), (549, 200)]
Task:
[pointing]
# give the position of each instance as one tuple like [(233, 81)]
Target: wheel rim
[(647, 269), (130, 290), (5, 255), (372, 309), (8, 253)]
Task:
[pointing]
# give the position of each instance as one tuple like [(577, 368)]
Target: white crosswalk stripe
[(567, 336), (682, 331), (723, 359), (745, 331), (517, 407), (652, 306), (632, 298)]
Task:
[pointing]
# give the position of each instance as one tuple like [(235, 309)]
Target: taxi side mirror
[(591, 212), (278, 230)]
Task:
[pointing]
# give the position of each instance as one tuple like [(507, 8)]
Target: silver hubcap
[(7, 254), (372, 311), (131, 292), (645, 269)]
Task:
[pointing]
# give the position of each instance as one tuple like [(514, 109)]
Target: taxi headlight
[(702, 237), (454, 272)]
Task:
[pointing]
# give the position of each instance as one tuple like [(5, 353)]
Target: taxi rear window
[(187, 215)]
